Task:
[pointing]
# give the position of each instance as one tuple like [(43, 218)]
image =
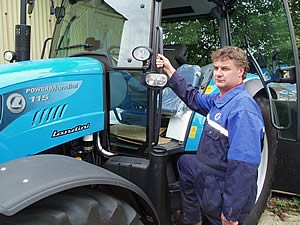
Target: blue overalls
[(222, 176)]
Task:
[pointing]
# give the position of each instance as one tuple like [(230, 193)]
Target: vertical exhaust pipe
[(22, 35)]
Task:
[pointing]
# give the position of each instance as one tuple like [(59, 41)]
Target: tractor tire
[(82, 206), (267, 165)]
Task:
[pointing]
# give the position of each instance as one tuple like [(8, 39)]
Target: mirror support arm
[(274, 118)]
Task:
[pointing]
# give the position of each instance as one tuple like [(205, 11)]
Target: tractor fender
[(27, 180), (253, 86)]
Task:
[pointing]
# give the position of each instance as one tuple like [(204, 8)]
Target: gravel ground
[(269, 218), (282, 210)]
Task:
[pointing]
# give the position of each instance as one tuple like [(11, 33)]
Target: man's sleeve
[(245, 137), (196, 101)]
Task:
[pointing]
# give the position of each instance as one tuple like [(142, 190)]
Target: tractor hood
[(38, 70), (48, 102)]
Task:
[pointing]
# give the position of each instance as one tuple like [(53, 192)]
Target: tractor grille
[(49, 115)]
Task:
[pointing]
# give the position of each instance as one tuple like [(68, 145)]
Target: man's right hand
[(227, 222), (163, 62)]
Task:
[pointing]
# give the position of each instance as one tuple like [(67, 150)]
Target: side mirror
[(286, 74), (142, 53), (30, 6)]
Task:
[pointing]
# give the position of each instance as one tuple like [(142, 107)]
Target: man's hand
[(163, 62), (227, 222)]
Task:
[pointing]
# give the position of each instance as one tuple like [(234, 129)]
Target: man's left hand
[(227, 222)]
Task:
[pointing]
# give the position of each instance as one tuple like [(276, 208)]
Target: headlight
[(9, 56), (156, 79), (142, 53)]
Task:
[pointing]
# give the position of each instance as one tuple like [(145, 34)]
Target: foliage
[(296, 201), (260, 23), (201, 36), (295, 12), (265, 27), (283, 206)]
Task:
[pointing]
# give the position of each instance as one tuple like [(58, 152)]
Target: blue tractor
[(91, 136)]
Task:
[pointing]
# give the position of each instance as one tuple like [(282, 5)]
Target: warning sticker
[(193, 132), (208, 89)]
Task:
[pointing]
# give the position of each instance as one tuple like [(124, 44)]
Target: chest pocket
[(212, 145)]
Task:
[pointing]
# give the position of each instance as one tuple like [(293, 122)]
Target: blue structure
[(48, 103)]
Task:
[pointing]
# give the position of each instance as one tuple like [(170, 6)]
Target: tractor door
[(265, 29), (109, 31)]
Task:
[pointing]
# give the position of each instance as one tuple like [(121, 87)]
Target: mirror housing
[(142, 53), (286, 74), (30, 6)]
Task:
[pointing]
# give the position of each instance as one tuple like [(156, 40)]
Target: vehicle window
[(128, 114), (263, 26), (200, 36), (106, 27)]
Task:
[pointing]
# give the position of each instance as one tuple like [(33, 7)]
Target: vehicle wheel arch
[(255, 87), (40, 176)]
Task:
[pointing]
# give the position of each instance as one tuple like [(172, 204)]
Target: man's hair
[(236, 54)]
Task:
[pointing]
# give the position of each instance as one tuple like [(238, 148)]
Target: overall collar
[(222, 100)]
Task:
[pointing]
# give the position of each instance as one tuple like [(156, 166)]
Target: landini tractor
[(92, 135)]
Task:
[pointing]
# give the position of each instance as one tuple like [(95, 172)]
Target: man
[(218, 184)]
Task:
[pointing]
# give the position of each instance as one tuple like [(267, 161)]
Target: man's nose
[(218, 73)]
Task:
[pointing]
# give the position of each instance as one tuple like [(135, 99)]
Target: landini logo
[(58, 133), (16, 103)]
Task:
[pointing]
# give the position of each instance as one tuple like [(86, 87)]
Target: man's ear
[(241, 72)]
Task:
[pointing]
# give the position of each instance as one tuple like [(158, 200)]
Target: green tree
[(263, 23), (295, 12), (201, 36)]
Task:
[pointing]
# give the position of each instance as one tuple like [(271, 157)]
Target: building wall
[(41, 22)]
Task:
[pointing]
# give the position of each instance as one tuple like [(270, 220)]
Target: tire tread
[(81, 206)]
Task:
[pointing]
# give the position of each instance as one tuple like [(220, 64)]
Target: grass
[(283, 206)]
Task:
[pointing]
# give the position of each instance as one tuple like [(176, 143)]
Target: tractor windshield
[(108, 27)]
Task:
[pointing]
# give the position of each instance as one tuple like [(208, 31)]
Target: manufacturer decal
[(16, 103), (52, 88), (218, 116), (59, 133)]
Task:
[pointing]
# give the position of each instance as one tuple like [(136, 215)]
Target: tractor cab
[(142, 115), (187, 33)]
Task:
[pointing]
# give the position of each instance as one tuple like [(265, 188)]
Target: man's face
[(227, 75)]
